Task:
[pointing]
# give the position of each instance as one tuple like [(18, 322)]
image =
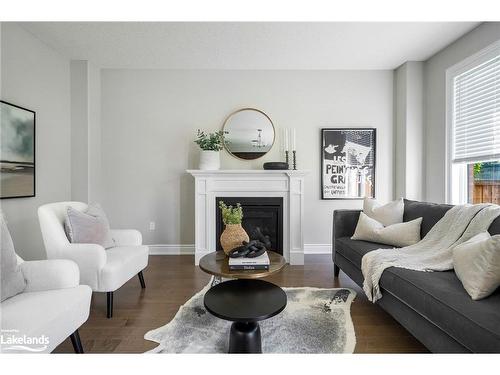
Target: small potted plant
[(210, 145), (234, 234)]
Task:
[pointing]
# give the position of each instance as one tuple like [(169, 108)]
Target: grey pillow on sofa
[(91, 226), (12, 279)]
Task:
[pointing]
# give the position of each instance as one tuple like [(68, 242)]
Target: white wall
[(94, 133), (150, 117), (79, 130), (85, 131), (415, 131), (408, 128), (435, 103), (400, 130), (36, 77)]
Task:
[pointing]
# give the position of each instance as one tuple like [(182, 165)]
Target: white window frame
[(456, 173)]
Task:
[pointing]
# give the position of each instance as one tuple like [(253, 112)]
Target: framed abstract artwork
[(348, 163), (17, 151)]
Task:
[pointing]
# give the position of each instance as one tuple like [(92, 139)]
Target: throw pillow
[(12, 279), (91, 226), (400, 234), (387, 214), (477, 264)]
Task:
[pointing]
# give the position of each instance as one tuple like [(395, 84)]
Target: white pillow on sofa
[(400, 234), (387, 214), (477, 264)]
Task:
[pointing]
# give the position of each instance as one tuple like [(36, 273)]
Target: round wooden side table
[(217, 264)]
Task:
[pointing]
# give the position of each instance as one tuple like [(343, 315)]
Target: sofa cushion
[(52, 313), (440, 298), (354, 250), (398, 235), (430, 213), (387, 214), (477, 264)]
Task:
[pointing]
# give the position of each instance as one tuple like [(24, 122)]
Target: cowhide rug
[(315, 320)]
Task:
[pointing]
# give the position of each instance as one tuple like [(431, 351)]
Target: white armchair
[(52, 307), (104, 270)]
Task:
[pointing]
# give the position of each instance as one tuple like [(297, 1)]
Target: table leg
[(215, 280), (245, 338)]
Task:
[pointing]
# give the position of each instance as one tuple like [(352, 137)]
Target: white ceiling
[(233, 45)]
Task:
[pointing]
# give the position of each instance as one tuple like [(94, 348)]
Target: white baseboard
[(178, 249), (317, 248), (171, 249)]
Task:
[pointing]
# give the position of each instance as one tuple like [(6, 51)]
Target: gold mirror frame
[(241, 110)]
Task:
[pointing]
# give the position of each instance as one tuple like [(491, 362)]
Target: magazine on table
[(260, 262)]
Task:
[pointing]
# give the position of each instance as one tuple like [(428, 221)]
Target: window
[(483, 182), (474, 128)]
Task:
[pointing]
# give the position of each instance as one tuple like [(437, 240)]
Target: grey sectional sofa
[(432, 306)]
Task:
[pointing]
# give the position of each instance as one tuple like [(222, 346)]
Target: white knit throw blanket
[(434, 251)]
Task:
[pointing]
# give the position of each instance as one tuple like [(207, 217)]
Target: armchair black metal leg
[(109, 297), (141, 279), (77, 344), (336, 270)]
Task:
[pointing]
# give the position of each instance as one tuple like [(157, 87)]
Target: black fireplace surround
[(262, 216)]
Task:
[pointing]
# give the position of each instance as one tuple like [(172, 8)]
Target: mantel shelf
[(288, 172)]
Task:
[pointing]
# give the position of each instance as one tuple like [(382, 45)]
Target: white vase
[(209, 160)]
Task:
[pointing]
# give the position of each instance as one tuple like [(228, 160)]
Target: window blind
[(476, 113)]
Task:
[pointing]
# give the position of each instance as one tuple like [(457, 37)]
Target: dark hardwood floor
[(172, 280)]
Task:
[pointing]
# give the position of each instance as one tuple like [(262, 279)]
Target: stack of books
[(258, 263)]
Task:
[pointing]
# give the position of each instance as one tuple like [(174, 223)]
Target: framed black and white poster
[(348, 163), (17, 151)]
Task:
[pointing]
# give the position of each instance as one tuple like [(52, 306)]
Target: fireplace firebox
[(262, 219)]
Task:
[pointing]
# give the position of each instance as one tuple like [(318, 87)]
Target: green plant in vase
[(233, 234), (210, 141), (210, 145), (230, 214)]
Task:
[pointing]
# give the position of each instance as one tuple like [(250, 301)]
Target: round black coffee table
[(245, 302)]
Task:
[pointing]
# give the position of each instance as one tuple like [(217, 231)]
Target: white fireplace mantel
[(287, 184)]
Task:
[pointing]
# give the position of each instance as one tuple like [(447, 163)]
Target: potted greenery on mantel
[(210, 145)]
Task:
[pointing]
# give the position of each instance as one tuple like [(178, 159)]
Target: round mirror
[(248, 134)]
